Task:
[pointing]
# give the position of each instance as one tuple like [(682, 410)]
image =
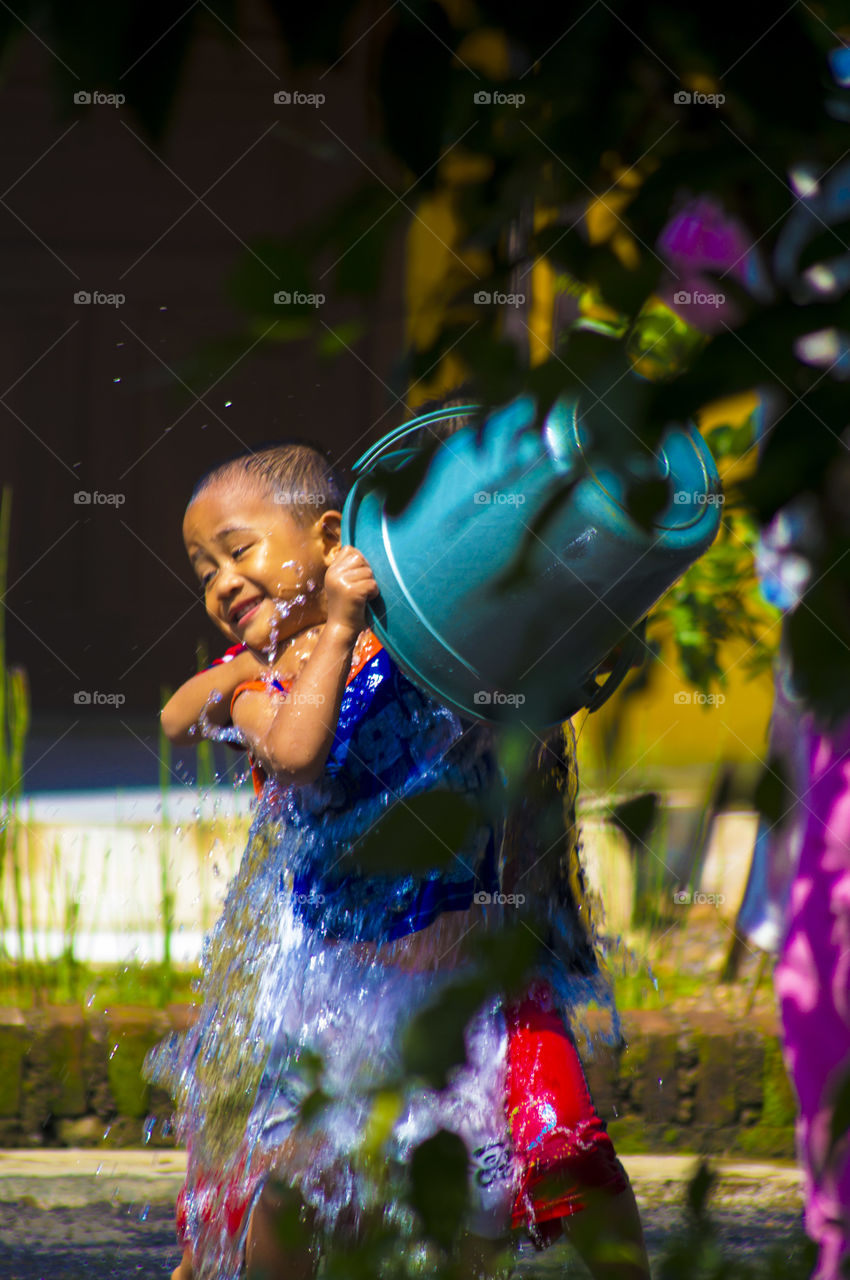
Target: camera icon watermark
[(483, 899), (94, 698), (686, 698), (684, 898), (484, 298), (688, 497), (491, 698), (87, 298), (299, 499), (286, 298), (499, 497), (85, 98), (486, 98), (683, 98), (691, 297), (295, 98), (305, 699), (93, 497)]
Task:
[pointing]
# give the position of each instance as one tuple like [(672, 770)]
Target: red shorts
[(561, 1150), (559, 1140)]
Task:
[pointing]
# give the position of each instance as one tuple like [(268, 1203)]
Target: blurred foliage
[(560, 136), (718, 598), (580, 163)]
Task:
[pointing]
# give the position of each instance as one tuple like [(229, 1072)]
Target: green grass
[(96, 987)]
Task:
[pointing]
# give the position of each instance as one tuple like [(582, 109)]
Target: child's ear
[(330, 525)]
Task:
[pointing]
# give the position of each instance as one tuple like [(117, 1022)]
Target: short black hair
[(298, 474)]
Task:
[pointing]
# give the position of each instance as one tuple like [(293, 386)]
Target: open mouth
[(245, 611)]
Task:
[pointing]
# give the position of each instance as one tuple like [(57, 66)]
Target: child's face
[(261, 571)]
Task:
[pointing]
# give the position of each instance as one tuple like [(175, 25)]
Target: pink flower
[(701, 237)]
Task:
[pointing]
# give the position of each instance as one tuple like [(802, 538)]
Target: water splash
[(304, 988)]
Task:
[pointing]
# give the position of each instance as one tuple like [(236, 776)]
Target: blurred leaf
[(417, 834), (415, 70), (313, 1105), (699, 1189), (334, 340), (439, 1187), (433, 1041), (772, 796), (274, 267), (637, 817)]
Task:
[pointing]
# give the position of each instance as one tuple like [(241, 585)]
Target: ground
[(62, 1218)]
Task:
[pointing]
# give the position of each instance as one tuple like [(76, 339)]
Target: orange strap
[(258, 686)]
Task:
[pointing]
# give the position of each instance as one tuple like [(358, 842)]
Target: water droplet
[(90, 1000), (163, 308), (228, 403), (143, 1216), (106, 1132), (660, 1082), (116, 379), (150, 1125), (114, 1047), (98, 1170)]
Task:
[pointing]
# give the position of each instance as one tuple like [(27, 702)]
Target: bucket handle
[(424, 419), (624, 662)]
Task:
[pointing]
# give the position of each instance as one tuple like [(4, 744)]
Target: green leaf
[(772, 796), (439, 1185), (433, 1041), (637, 817), (417, 834)]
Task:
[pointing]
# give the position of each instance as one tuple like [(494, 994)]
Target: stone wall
[(700, 1083)]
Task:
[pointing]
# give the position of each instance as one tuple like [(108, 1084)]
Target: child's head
[(261, 530)]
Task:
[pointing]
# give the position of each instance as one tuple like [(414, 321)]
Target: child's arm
[(181, 714), (292, 737)]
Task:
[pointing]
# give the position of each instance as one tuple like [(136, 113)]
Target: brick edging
[(687, 1082)]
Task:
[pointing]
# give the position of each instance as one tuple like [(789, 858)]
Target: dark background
[(139, 399)]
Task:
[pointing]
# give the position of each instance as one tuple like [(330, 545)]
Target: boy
[(263, 534)]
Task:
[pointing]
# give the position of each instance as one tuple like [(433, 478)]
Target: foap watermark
[(686, 98), (285, 298), (94, 498), (687, 698), (484, 298), (308, 899), (496, 98), (86, 298), (684, 898), (299, 499), (694, 497), (94, 98), (306, 699), (94, 698), (295, 98), (504, 899), (486, 698), (499, 497), (694, 297)]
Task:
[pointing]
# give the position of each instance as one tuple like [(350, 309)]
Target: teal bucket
[(529, 649)]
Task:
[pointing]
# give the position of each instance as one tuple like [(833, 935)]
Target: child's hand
[(348, 585)]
